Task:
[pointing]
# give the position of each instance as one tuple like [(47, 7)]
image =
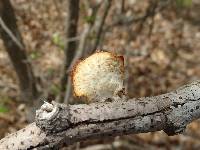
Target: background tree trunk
[(15, 47), (70, 47)]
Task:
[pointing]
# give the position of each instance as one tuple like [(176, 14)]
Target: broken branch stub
[(50, 119)]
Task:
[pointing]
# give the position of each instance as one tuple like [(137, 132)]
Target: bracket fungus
[(99, 77)]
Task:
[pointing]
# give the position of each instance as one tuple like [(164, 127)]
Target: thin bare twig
[(97, 29), (15, 48), (123, 20), (9, 32), (79, 53), (83, 42), (70, 47), (153, 12), (72, 39), (68, 92)]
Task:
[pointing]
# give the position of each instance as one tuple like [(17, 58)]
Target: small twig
[(150, 12), (9, 32), (98, 26), (154, 7), (68, 92), (77, 38), (126, 21), (15, 48), (80, 51), (81, 46), (70, 47)]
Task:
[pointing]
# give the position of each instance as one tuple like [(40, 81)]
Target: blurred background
[(42, 39)]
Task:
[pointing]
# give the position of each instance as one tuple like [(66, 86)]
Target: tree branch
[(12, 36), (123, 20), (58, 124), (14, 45), (79, 52), (97, 28), (70, 47), (85, 44)]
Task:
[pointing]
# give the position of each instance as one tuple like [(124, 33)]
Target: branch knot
[(50, 118)]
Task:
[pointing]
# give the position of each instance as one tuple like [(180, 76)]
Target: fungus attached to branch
[(99, 77)]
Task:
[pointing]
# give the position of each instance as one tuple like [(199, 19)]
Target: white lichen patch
[(99, 77)]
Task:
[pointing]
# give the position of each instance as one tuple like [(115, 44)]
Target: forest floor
[(161, 56)]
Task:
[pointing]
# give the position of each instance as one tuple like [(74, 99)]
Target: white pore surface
[(99, 76)]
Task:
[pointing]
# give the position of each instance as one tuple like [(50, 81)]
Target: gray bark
[(58, 124)]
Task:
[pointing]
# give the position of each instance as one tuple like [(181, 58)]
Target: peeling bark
[(58, 124)]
